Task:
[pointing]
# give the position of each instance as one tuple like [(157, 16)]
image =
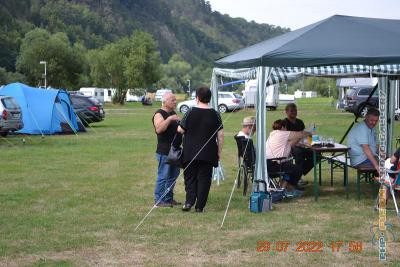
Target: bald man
[(165, 123)]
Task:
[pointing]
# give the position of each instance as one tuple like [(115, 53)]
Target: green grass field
[(75, 200)]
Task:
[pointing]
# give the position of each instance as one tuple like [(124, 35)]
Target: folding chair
[(246, 164), (246, 161)]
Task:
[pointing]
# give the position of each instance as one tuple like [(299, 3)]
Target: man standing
[(302, 156), (362, 141), (165, 123)]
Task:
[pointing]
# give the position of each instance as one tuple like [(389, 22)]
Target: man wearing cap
[(249, 127)]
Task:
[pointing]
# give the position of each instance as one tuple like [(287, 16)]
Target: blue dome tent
[(44, 111)]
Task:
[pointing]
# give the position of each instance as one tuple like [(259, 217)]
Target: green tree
[(176, 74), (10, 77), (64, 62), (128, 63)]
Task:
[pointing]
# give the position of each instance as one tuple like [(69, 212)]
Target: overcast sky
[(299, 13)]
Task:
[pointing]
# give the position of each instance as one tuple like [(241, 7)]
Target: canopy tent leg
[(261, 172), (218, 172)]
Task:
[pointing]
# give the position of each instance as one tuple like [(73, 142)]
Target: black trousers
[(293, 170), (197, 178), (304, 158)]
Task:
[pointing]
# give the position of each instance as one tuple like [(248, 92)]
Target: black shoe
[(199, 210), (175, 203), (187, 207)]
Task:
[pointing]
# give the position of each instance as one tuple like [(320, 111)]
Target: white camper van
[(250, 95), (160, 93), (101, 94)]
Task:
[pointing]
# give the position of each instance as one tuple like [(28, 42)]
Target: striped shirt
[(278, 145)]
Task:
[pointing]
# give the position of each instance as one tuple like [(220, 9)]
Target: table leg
[(319, 172), (315, 176)]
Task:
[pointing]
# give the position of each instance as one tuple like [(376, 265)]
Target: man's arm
[(220, 139), (160, 124), (367, 151), (180, 130), (295, 137)]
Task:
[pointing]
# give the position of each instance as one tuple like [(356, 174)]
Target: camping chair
[(246, 161), (276, 176)]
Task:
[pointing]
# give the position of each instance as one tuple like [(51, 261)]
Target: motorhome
[(131, 97), (101, 94), (160, 93), (250, 94)]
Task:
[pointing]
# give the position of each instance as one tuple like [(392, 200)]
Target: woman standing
[(202, 146)]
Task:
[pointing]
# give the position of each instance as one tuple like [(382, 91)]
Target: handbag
[(175, 154)]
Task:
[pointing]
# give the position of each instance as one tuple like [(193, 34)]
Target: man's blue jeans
[(166, 176)]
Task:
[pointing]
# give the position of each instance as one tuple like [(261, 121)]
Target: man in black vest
[(165, 123)]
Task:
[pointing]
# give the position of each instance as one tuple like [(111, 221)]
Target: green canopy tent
[(339, 46)]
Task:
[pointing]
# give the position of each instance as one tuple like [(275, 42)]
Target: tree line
[(179, 38)]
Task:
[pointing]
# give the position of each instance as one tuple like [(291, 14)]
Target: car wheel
[(184, 109), (3, 134), (396, 117), (222, 108)]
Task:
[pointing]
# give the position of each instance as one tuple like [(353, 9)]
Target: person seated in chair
[(362, 142), (278, 149), (302, 155), (248, 127)]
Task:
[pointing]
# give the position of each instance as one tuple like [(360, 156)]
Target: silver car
[(227, 101), (10, 115)]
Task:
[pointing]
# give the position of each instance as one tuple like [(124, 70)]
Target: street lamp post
[(45, 73), (189, 88)]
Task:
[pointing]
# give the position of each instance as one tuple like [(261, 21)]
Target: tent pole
[(261, 164), (214, 91)]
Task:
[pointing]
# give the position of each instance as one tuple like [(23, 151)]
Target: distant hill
[(187, 27)]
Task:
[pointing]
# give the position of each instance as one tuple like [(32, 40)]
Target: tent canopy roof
[(337, 40)]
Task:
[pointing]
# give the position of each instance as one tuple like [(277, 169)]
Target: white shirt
[(241, 133), (277, 145)]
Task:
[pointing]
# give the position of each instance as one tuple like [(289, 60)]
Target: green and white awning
[(281, 74)]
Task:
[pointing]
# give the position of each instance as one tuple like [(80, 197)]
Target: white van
[(101, 94), (160, 93), (271, 97)]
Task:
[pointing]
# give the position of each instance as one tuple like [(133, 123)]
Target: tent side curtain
[(280, 74)]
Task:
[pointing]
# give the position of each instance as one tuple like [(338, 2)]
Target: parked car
[(356, 98), (227, 101), (10, 115), (88, 108)]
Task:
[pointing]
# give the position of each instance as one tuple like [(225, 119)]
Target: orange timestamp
[(308, 246)]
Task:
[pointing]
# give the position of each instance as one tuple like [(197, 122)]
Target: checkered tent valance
[(280, 74)]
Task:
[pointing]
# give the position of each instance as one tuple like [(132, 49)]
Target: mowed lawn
[(71, 200)]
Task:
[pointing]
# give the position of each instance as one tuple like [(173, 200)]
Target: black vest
[(165, 138)]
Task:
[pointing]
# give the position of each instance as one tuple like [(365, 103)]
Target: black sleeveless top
[(165, 138)]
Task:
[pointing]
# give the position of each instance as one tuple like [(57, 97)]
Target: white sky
[(299, 13)]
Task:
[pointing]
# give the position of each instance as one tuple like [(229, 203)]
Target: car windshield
[(9, 103), (365, 91), (237, 95), (350, 92)]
